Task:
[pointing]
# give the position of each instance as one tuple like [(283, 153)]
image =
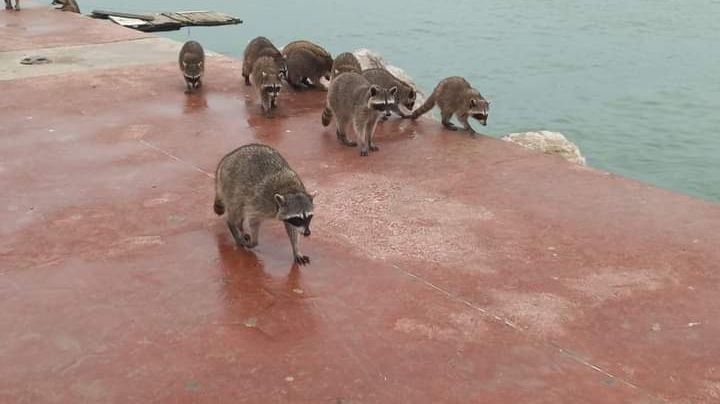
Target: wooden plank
[(168, 21), (128, 22), (106, 14)]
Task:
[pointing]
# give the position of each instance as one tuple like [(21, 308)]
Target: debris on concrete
[(35, 60)]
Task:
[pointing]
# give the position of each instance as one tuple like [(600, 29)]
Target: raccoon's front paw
[(374, 148), (302, 259), (450, 126), (364, 152)]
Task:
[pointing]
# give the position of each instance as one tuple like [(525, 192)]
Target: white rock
[(549, 143), (369, 60)]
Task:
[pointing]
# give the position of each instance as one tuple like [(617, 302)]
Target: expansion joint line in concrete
[(176, 158), (506, 322), (552, 345), (39, 50)]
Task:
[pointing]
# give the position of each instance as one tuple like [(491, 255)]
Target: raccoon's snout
[(482, 118), (306, 232), (272, 90)]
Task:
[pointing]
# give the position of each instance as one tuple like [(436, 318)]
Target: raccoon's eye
[(473, 103), (296, 221)]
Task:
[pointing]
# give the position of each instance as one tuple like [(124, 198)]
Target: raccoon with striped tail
[(454, 95), (352, 100), (254, 183)]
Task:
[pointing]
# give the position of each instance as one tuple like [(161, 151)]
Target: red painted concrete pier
[(445, 268)]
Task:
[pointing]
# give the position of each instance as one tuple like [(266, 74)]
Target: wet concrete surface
[(444, 268)]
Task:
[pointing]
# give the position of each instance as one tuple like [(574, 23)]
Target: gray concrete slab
[(71, 59)]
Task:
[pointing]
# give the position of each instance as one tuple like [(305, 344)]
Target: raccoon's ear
[(280, 200), (337, 71), (393, 90), (312, 195), (374, 90)]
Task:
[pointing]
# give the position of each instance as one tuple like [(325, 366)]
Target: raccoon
[(307, 63), (257, 48), (345, 62), (67, 5), (254, 183), (192, 64), (9, 6), (267, 79), (406, 93), (454, 95), (353, 100)]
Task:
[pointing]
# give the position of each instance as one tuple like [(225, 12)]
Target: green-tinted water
[(635, 83)]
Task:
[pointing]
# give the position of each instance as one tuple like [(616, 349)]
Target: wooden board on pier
[(168, 21)]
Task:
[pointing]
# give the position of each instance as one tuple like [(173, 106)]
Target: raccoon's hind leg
[(446, 120), (342, 125), (8, 5), (253, 226), (235, 224), (237, 234), (247, 79), (464, 121), (292, 233)]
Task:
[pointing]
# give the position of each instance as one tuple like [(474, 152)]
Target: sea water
[(634, 83)]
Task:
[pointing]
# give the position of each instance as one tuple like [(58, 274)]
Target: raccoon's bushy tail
[(427, 106), (327, 116)]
